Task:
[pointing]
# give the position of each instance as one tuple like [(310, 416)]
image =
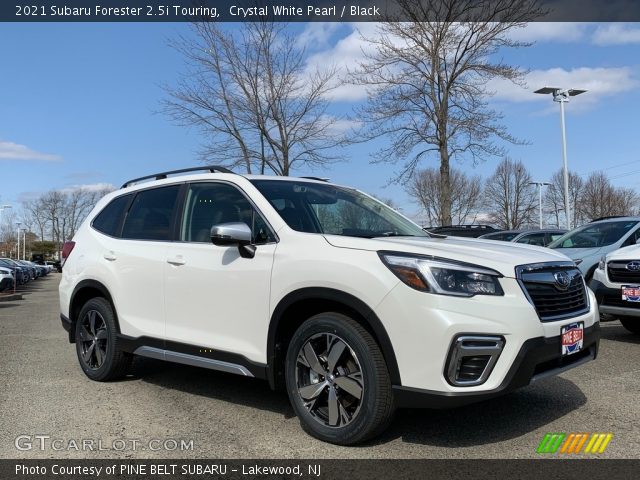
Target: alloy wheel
[(329, 380), (93, 339)]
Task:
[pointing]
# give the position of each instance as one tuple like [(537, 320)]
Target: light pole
[(2, 209), (540, 185), (18, 248), (561, 95), (24, 244)]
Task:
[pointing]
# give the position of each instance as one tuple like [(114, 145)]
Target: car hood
[(626, 253), (500, 256), (577, 253)]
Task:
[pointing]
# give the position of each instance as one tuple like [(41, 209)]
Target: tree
[(510, 196), (554, 197), (466, 195), (427, 82), (601, 199), (251, 95)]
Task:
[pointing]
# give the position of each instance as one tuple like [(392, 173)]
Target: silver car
[(587, 244)]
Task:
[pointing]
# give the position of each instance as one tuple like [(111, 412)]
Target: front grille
[(619, 273), (552, 299)]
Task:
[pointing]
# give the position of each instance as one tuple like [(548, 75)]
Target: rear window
[(109, 219), (150, 215)]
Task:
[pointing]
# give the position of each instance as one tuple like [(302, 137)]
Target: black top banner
[(319, 10)]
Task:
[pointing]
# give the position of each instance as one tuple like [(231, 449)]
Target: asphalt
[(44, 392)]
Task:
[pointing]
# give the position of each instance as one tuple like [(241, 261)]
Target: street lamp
[(18, 248), (2, 209), (24, 243), (540, 185), (561, 95)]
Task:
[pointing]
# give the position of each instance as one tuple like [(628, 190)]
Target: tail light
[(67, 248)]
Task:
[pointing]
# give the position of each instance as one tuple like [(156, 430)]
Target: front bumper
[(610, 301), (6, 284), (538, 358)]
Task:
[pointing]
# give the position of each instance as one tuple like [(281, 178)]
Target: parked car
[(587, 244), (471, 231), (320, 289), (6, 279), (31, 269), (20, 273), (616, 284), (538, 237)]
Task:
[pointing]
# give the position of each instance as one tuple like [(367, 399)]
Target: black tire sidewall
[(632, 324), (364, 422), (104, 308)]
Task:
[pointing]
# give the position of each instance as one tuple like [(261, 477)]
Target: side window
[(555, 236), (209, 204), (108, 221), (149, 216), (533, 239)]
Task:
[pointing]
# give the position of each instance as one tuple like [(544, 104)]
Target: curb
[(10, 297)]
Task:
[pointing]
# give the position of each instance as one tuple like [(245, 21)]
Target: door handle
[(176, 260), (111, 256)]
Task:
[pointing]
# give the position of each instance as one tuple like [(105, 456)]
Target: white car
[(616, 284), (321, 290), (6, 279)]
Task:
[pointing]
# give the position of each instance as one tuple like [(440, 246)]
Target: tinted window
[(210, 204), (108, 220), (149, 217)]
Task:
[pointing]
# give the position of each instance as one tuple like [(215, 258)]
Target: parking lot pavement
[(45, 393)]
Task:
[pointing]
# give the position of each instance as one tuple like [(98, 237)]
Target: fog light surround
[(472, 358)]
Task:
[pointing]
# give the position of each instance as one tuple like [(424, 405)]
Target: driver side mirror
[(235, 233)]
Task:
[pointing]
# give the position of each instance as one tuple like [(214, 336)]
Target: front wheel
[(337, 380), (631, 323)]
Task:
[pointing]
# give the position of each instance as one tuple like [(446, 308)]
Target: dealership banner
[(324, 469), (314, 10)]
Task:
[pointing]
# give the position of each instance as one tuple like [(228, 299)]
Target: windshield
[(594, 235), (317, 208)]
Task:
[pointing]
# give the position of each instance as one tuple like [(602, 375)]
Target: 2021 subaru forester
[(319, 289)]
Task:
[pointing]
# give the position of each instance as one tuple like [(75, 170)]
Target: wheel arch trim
[(336, 296), (93, 285)]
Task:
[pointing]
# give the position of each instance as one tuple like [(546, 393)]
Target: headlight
[(442, 276), (602, 263)]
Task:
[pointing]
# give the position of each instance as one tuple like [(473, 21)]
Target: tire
[(97, 347), (631, 323), (344, 362)]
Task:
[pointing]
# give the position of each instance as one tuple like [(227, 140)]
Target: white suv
[(320, 289), (616, 283)]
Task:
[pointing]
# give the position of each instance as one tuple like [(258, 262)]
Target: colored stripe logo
[(573, 443)]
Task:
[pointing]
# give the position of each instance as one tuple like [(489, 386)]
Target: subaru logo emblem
[(633, 266), (562, 280)]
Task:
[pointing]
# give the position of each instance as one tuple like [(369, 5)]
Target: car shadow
[(222, 386), (492, 421), (616, 332)]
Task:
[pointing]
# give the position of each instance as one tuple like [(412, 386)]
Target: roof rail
[(320, 179), (608, 218), (163, 175)]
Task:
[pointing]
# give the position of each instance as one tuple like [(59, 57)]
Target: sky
[(79, 105)]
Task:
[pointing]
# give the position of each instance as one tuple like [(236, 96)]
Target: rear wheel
[(337, 380), (631, 323), (97, 347)]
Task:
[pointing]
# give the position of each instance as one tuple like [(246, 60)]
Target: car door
[(137, 259), (216, 299)]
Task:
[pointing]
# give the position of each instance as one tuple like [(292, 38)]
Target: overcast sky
[(78, 104)]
